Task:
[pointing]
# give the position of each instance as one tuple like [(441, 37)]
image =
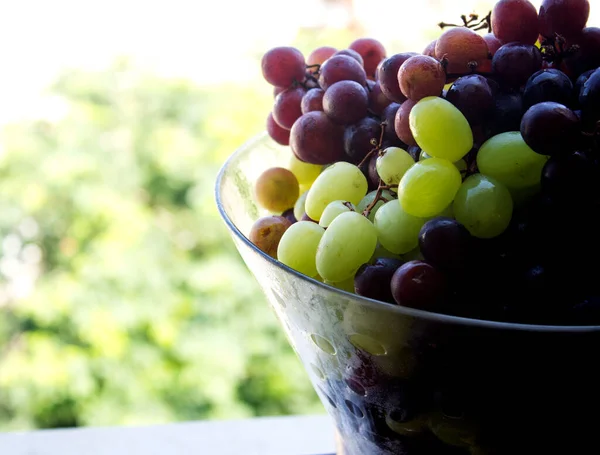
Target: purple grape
[(315, 139), (550, 128), (587, 56), (277, 133), (589, 99), (507, 113), (514, 63), (341, 68), (548, 85), (387, 75), (345, 102), (374, 280), (350, 53), (286, 109), (473, 96), (358, 137), (377, 99), (312, 101), (401, 124), (388, 115), (565, 17), (282, 66), (417, 284), (446, 244)]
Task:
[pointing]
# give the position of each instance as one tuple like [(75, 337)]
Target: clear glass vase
[(402, 381)]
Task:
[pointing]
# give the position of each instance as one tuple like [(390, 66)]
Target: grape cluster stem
[(378, 197), (376, 144), (472, 22)]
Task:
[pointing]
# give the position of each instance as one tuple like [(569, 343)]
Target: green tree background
[(122, 297)]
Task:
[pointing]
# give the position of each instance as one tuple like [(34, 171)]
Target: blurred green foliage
[(122, 297)]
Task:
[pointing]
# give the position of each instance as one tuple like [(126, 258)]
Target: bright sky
[(206, 40)]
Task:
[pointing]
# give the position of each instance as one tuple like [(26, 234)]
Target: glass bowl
[(402, 381)]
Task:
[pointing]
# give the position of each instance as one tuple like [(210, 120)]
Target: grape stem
[(378, 197), (554, 48), (472, 22), (472, 66), (377, 145), (309, 77)]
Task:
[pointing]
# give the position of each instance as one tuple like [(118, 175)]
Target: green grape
[(348, 243), (440, 129), (299, 206), (339, 182), (429, 187), (366, 201), (423, 155), (334, 209), (306, 173), (381, 252), (392, 164), (507, 158), (461, 164), (346, 285), (397, 231), (483, 205), (298, 247)]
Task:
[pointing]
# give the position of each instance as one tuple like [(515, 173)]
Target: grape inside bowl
[(425, 227), (398, 380)]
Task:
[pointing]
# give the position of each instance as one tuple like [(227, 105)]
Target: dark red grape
[(289, 215), (345, 102), (464, 49), (374, 280), (372, 175), (353, 54), (420, 76), (493, 43), (315, 139), (565, 17), (318, 56), (548, 85), (580, 82), (430, 49), (587, 55), (402, 125), (507, 113), (417, 284), (514, 63), (473, 96), (414, 151), (387, 75), (312, 101), (377, 99), (589, 99), (286, 109), (446, 244), (550, 128), (388, 116), (282, 66), (515, 20), (277, 133), (371, 51), (570, 177), (358, 137), (341, 68)]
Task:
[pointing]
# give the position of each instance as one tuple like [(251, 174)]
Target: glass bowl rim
[(370, 303)]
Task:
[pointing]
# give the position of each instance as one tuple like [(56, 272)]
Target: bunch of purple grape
[(463, 180)]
